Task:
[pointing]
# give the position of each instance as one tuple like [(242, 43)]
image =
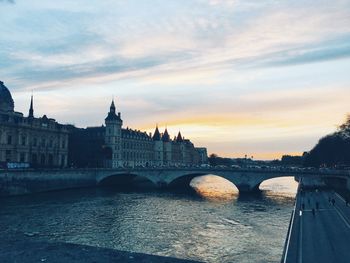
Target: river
[(235, 228)]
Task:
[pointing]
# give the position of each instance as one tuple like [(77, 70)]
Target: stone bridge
[(244, 179), (14, 182)]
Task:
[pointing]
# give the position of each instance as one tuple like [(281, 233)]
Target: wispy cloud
[(240, 64), (78, 45), (8, 1)]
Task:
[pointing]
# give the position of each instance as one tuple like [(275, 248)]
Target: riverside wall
[(29, 181)]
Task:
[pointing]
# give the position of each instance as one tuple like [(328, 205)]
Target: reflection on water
[(248, 229), (286, 186), (214, 187)]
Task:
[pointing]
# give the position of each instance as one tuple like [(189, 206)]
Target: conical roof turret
[(112, 116), (179, 137), (31, 109), (156, 135), (166, 137), (112, 107)]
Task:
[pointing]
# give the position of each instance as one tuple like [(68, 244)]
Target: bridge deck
[(323, 236)]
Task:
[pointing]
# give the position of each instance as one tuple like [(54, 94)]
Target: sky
[(240, 77)]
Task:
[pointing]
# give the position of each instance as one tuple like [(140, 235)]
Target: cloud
[(311, 55), (79, 45), (224, 71), (8, 1)]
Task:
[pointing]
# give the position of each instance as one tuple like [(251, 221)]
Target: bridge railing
[(282, 170)]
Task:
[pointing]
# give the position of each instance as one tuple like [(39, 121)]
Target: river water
[(235, 228)]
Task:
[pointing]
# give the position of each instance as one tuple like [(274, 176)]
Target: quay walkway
[(320, 228)]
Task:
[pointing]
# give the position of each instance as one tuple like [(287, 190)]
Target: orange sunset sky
[(262, 78)]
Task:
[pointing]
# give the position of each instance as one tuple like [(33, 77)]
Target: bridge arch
[(244, 181), (184, 180), (280, 184)]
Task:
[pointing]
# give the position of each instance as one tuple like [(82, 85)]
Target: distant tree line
[(331, 150), (215, 160)]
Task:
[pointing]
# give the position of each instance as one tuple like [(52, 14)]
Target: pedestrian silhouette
[(313, 211), (333, 201), (302, 206)]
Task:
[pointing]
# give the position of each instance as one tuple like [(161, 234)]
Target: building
[(203, 155), (29, 141), (113, 146)]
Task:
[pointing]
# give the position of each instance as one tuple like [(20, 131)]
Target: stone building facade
[(113, 146), (133, 148), (29, 141)]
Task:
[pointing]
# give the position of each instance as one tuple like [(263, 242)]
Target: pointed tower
[(113, 137), (167, 148), (158, 147), (156, 135), (166, 137), (179, 137), (31, 110), (181, 141)]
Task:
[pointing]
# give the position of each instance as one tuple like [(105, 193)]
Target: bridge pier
[(161, 185), (246, 188)]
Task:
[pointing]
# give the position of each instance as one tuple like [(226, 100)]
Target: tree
[(331, 150), (213, 159), (345, 127)]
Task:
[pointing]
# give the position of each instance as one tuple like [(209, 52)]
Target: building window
[(22, 157), (50, 159), (35, 141), (9, 139), (63, 144), (42, 159), (34, 158), (63, 160), (8, 155), (23, 140), (43, 142)]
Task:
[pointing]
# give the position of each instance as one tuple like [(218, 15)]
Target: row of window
[(137, 146), (130, 144), (10, 140), (35, 159), (20, 120), (138, 155)]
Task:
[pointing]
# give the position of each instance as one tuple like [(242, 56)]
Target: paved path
[(320, 230)]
